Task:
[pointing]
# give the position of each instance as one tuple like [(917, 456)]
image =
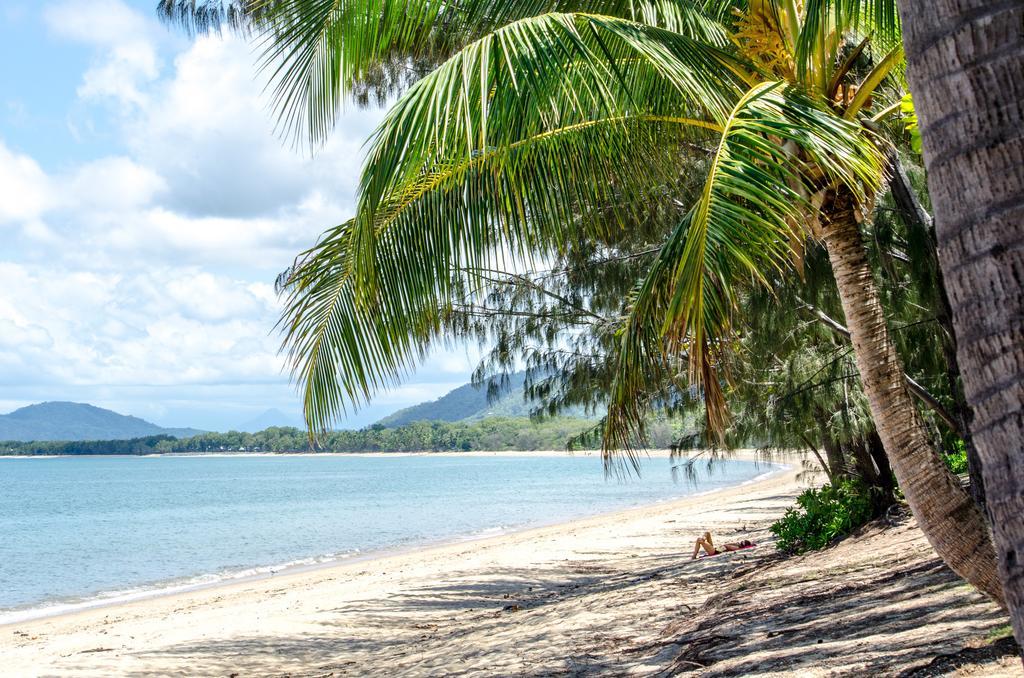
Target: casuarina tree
[(545, 117)]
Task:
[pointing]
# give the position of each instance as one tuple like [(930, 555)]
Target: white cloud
[(14, 336), (25, 190), (121, 74), (206, 297), (210, 134), (157, 233), (203, 177), (126, 58), (113, 184), (96, 22), (37, 232), (161, 326), (142, 280)]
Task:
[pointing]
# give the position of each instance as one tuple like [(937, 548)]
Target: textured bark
[(966, 70), (948, 516), (913, 212)]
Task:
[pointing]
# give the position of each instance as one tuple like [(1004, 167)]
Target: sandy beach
[(612, 595)]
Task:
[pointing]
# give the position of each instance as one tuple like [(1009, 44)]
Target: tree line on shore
[(491, 434)]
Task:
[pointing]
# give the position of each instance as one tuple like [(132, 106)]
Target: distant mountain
[(272, 417), (465, 402), (78, 421), (469, 403)]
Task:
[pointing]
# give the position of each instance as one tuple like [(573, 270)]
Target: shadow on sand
[(877, 604)]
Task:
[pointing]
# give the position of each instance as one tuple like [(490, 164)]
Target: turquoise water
[(75, 531)]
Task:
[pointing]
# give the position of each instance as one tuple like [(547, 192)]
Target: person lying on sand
[(712, 550)]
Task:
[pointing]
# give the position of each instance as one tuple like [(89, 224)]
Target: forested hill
[(467, 402), (78, 421), (470, 403)]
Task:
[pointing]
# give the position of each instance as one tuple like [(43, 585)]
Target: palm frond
[(316, 51), (346, 342), (706, 21), (197, 17), (537, 75), (340, 354), (827, 22), (737, 233), (510, 149), (869, 85)]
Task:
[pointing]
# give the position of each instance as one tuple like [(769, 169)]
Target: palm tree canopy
[(544, 119), (315, 51)]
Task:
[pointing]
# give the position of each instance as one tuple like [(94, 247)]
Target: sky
[(146, 206)]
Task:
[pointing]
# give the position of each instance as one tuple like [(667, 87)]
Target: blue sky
[(146, 206)]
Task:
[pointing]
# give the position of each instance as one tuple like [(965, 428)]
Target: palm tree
[(550, 116), (976, 179)]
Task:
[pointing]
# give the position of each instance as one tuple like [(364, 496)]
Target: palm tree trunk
[(946, 513), (966, 69), (913, 212)]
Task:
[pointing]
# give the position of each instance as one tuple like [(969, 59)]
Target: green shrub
[(956, 459), (823, 515)]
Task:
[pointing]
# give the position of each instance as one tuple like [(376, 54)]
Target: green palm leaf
[(827, 22), (346, 342), (207, 16), (740, 229), (509, 149), (532, 136), (315, 50), (535, 76)]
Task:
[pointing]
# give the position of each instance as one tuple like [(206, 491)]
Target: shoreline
[(745, 454), (613, 594), (654, 454), (56, 610)]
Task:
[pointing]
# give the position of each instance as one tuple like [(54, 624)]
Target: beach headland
[(610, 594)]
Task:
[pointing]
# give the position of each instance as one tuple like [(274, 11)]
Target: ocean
[(82, 531)]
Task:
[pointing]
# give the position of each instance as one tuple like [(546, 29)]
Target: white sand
[(615, 594), (359, 613)]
